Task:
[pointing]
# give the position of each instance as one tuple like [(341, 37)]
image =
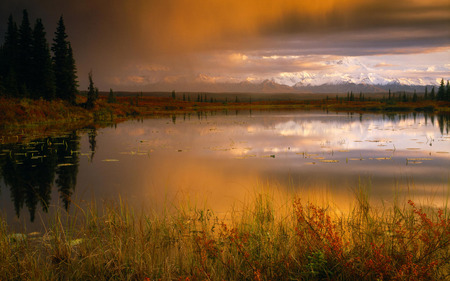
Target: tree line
[(27, 67)]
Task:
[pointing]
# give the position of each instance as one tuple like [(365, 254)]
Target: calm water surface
[(220, 160)]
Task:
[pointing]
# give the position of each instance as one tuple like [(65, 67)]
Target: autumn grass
[(19, 112), (256, 241)]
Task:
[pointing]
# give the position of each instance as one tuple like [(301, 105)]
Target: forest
[(29, 68)]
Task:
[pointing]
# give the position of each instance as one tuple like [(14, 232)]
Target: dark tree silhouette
[(67, 169), (64, 65), (43, 84), (414, 99), (441, 91), (111, 97), (30, 171), (8, 60), (92, 134), (432, 96), (30, 176), (25, 61), (447, 91), (92, 94)]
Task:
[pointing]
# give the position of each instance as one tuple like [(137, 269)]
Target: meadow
[(257, 240)]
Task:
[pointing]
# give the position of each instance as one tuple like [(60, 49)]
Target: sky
[(137, 44)]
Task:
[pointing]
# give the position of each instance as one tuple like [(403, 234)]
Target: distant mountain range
[(270, 86), (341, 76)]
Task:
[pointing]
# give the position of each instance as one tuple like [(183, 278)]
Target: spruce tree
[(414, 99), (92, 94), (25, 64), (9, 57), (432, 94), (42, 80), (447, 91), (72, 75), (64, 65), (111, 98), (441, 91), (425, 97)]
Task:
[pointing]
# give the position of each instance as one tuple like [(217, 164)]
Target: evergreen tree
[(25, 63), (64, 65), (447, 90), (425, 97), (42, 81), (72, 75), (92, 94), (8, 59), (432, 94), (173, 94), (414, 99), (111, 97), (441, 91)]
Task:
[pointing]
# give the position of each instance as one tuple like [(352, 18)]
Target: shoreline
[(24, 117)]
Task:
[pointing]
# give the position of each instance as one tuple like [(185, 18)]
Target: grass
[(25, 111), (24, 118), (257, 241)]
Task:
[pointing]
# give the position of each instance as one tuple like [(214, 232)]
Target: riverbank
[(257, 241), (27, 111), (39, 118)]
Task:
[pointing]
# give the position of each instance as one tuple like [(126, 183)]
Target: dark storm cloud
[(365, 15), (110, 36)]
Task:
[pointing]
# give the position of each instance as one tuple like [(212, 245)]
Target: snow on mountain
[(348, 70), (343, 75)]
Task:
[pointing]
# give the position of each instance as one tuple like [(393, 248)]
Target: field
[(133, 105), (262, 240)]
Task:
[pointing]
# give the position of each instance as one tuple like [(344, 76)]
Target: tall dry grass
[(257, 241)]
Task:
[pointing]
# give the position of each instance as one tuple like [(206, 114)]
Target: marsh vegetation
[(261, 240)]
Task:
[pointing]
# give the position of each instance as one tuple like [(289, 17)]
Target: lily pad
[(65, 164), (329, 161)]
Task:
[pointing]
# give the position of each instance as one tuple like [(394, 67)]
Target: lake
[(221, 159)]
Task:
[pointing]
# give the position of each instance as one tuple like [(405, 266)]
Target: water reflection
[(31, 170), (222, 156)]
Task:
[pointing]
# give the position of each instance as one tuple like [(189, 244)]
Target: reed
[(256, 241)]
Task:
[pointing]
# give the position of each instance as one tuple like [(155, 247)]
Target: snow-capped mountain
[(333, 76), (348, 70)]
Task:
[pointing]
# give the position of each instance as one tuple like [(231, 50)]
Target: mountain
[(356, 88), (339, 76), (270, 86)]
